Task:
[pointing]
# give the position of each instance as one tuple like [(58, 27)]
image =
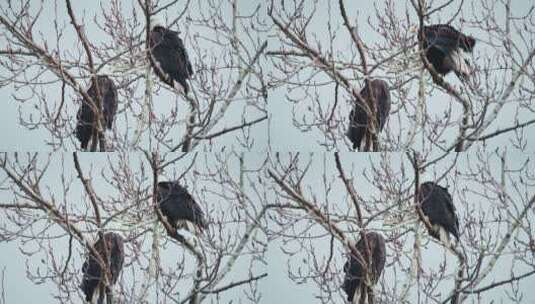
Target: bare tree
[(309, 209), (51, 50), (60, 204), (323, 203), (328, 50)]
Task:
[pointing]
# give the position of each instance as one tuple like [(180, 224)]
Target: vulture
[(354, 270), (86, 128), (358, 118), (93, 280), (447, 49), (179, 207), (437, 206), (170, 55)]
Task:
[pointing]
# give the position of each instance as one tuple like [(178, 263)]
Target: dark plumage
[(86, 126), (93, 276), (178, 206), (437, 205), (170, 54), (358, 117), (354, 270), (445, 49)]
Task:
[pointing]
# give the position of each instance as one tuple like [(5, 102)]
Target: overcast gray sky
[(205, 191), (437, 102), (16, 137), (277, 287), (467, 199), (283, 136)]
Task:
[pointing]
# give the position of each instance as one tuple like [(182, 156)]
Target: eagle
[(93, 280), (179, 207), (358, 118), (437, 206), (447, 49), (354, 270), (170, 55), (86, 128)]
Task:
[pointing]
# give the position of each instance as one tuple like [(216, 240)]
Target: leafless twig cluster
[(276, 225)]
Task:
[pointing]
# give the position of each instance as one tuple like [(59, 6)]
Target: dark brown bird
[(170, 55), (93, 280), (86, 128), (359, 119), (447, 49), (179, 206), (437, 206), (354, 270)]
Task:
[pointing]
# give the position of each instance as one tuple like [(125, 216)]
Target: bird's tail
[(356, 296), (192, 227), (455, 233), (461, 64), (444, 236), (181, 85), (203, 224)]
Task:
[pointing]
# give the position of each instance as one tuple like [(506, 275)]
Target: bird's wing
[(110, 104), (196, 211), (174, 43), (164, 48), (183, 54), (450, 211), (85, 267), (382, 94), (117, 258), (446, 38), (358, 120), (439, 208), (352, 277)]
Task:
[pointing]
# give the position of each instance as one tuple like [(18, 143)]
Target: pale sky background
[(14, 263), (432, 253), (283, 135), (277, 288), (437, 103), (14, 137)]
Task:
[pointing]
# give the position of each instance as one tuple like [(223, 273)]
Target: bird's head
[(413, 29), (155, 22)]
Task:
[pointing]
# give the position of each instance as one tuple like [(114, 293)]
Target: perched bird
[(447, 49), (437, 206), (86, 128), (177, 205), (93, 280), (358, 118), (170, 55), (354, 271)]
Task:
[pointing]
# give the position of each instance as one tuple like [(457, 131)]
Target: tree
[(225, 42), (55, 206), (327, 51), (323, 203), (295, 216)]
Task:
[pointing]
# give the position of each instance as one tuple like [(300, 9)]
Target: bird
[(358, 118), (170, 55), (354, 270), (437, 206), (447, 49), (93, 276), (86, 128), (179, 207)]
